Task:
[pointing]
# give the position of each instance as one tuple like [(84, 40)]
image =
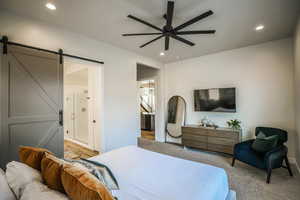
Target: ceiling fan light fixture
[(50, 6), (168, 31), (162, 53)]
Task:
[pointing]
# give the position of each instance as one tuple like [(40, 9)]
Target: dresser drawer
[(220, 148), (194, 137), (221, 141), (196, 131), (223, 134), (195, 144)]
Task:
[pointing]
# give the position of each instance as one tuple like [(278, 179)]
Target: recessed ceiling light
[(162, 54), (259, 27), (51, 6)]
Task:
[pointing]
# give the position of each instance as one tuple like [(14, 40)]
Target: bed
[(147, 175)]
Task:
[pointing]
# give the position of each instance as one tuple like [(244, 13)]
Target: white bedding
[(146, 175)]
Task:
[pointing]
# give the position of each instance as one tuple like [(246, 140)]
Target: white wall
[(297, 89), (120, 111), (262, 74)]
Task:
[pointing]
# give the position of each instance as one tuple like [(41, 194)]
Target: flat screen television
[(215, 100)]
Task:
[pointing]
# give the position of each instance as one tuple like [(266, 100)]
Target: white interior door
[(96, 141), (69, 116), (81, 117), (31, 101)]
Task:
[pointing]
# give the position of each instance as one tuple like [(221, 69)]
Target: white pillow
[(38, 191), (5, 192), (19, 175)]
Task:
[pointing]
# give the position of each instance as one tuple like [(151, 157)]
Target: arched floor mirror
[(176, 116)]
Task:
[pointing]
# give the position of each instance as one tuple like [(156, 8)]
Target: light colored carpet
[(247, 181)]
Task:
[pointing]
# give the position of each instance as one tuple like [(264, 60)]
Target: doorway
[(147, 98), (81, 108)]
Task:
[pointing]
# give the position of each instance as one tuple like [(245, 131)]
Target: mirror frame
[(183, 120)]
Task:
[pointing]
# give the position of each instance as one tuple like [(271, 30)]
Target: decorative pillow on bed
[(100, 171), (51, 172), (32, 156), (39, 191), (18, 175), (104, 174), (5, 192), (80, 185)]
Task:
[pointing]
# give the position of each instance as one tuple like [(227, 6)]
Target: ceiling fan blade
[(144, 22), (167, 43), (170, 13), (194, 20), (137, 34), (195, 32), (182, 40), (152, 41)]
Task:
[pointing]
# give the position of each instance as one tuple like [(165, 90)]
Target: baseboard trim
[(294, 161)]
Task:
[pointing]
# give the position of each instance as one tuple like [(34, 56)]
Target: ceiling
[(105, 20)]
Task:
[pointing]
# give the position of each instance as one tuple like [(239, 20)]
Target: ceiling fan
[(169, 31)]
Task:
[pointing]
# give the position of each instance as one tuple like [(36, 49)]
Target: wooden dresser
[(219, 140)]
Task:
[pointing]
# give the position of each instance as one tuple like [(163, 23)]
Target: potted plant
[(234, 124)]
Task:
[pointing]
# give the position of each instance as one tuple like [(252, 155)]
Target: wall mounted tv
[(215, 100)]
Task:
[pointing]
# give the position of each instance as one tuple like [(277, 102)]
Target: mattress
[(146, 175)]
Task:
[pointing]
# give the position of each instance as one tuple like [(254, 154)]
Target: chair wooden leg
[(269, 175), (288, 165), (233, 161)]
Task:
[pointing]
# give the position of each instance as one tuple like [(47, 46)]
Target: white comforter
[(146, 175)]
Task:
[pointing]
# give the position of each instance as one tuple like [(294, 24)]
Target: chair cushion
[(263, 144), (51, 172), (244, 153), (282, 134), (32, 156)]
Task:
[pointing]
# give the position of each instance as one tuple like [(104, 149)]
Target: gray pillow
[(100, 171), (263, 144), (107, 177)]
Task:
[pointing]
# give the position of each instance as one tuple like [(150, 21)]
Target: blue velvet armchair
[(268, 161)]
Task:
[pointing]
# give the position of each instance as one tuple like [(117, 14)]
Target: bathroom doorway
[(82, 110)]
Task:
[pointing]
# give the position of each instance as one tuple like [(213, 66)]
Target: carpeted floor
[(248, 182)]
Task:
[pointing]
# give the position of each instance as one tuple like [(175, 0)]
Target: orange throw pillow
[(80, 184), (32, 156), (51, 172)]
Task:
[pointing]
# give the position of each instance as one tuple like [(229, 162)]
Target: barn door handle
[(61, 118)]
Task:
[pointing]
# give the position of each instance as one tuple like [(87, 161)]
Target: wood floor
[(150, 135), (76, 151)]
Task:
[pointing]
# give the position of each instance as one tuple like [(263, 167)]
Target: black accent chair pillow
[(264, 144)]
